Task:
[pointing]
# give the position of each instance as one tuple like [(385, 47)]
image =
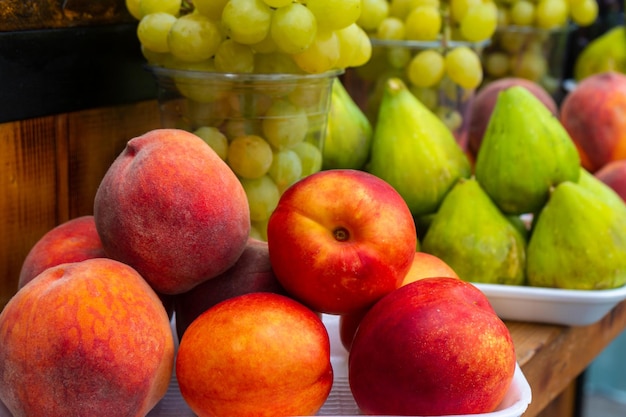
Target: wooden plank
[(29, 193), (50, 169)]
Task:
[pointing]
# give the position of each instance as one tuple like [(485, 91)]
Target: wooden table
[(552, 357)]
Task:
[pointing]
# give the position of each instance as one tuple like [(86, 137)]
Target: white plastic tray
[(340, 401), (551, 305)]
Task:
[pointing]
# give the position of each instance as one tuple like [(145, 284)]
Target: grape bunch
[(529, 39), (252, 36)]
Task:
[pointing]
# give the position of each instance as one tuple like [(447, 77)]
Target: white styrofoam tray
[(340, 401), (551, 305)]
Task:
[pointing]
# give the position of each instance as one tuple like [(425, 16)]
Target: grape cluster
[(529, 39), (252, 36)]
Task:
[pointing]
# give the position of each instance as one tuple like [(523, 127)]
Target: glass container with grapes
[(434, 46), (530, 40), (253, 79)]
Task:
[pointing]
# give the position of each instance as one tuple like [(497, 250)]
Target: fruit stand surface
[(551, 356)]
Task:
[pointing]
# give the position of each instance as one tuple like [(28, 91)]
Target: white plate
[(551, 305), (340, 401)]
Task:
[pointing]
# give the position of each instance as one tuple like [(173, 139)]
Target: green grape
[(463, 67), (391, 28), (157, 58), (310, 157), (248, 104), (215, 139), (275, 63), (153, 29), (263, 196), (208, 65), (309, 95), (133, 8), (511, 41), (284, 124), (496, 64), (155, 6), (584, 12), (479, 22), (522, 13), (550, 14), (458, 8), (210, 8), (246, 21), (398, 57), (426, 68), (452, 118), (286, 169), (234, 57), (334, 14), (428, 96), (234, 128), (401, 8), (355, 47), (530, 65), (293, 28), (194, 38), (373, 12), (322, 55), (278, 3), (423, 24), (266, 46), (503, 17), (249, 156)]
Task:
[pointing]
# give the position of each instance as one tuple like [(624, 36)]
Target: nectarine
[(173, 210), (341, 239), (613, 174), (251, 273), (257, 354), (432, 347), (89, 338)]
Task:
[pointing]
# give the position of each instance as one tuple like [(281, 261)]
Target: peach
[(613, 174), (424, 265), (72, 241), (432, 347), (172, 209), (89, 338), (485, 100), (594, 115), (257, 354), (341, 239), (251, 273)]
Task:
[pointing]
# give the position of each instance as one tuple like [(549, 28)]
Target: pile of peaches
[(89, 331)]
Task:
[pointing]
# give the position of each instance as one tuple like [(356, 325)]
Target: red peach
[(613, 174), (172, 209), (594, 115), (89, 338), (75, 240)]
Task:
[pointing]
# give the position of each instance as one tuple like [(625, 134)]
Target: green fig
[(590, 182), (578, 242), (606, 52), (348, 132), (475, 238), (414, 151), (524, 152)]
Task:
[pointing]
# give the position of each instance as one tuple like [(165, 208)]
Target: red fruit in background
[(72, 241), (613, 174), (172, 209), (251, 273), (432, 347), (341, 239), (594, 115), (485, 100)]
